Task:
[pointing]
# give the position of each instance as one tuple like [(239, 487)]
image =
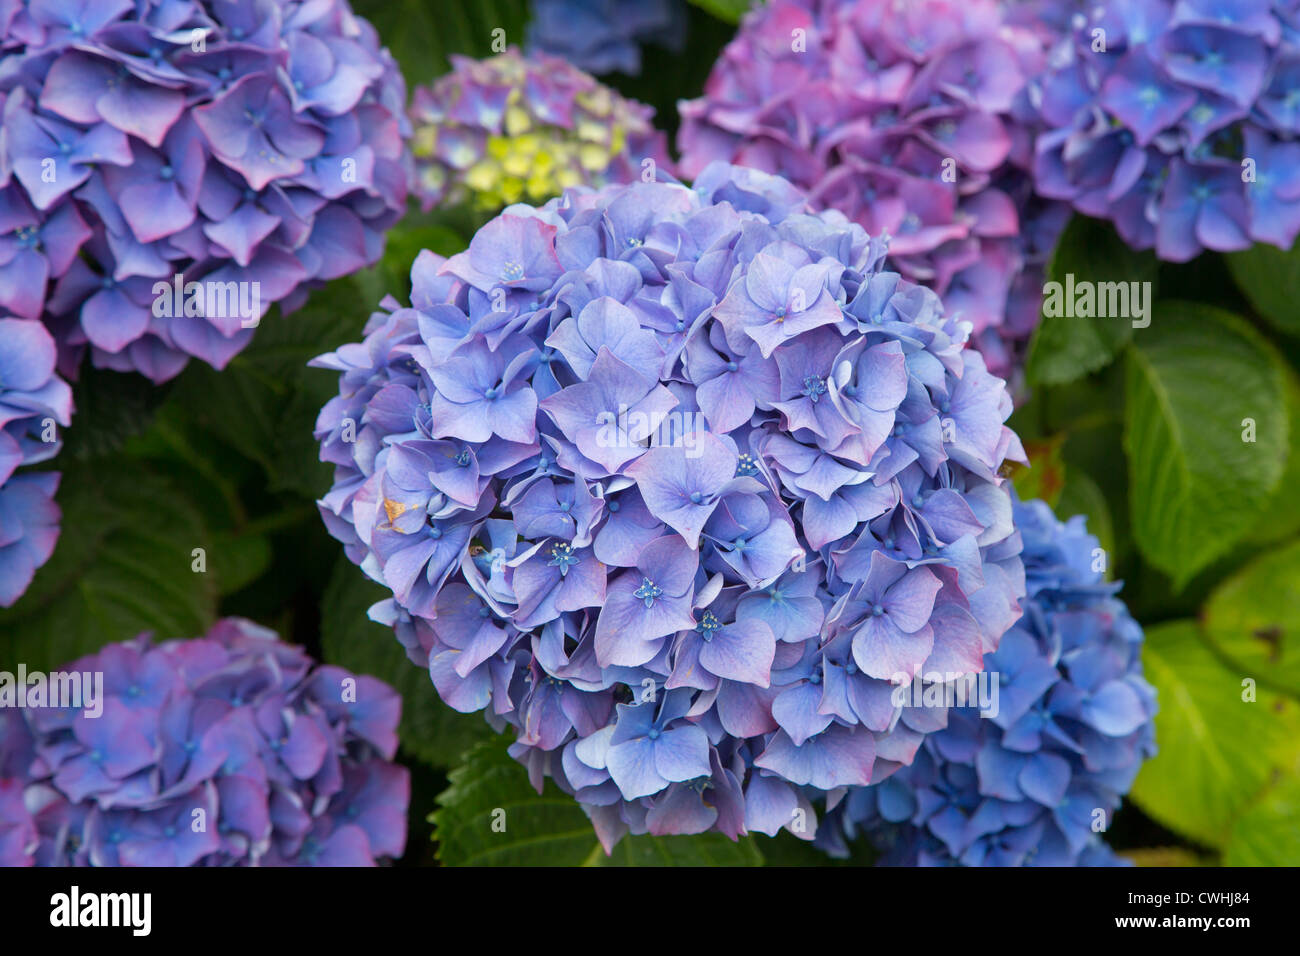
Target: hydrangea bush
[(1178, 122), (259, 144), (1032, 784), (605, 36), (674, 482), (231, 749), (511, 128), (34, 404), (914, 120)]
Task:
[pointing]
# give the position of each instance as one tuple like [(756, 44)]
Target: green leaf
[(430, 729), (549, 830), (1165, 856), (1281, 518), (1217, 752), (1270, 278), (238, 559), (441, 231), (111, 407), (1045, 476), (1081, 496), (703, 849), (422, 36), (729, 11), (265, 402), (1194, 379), (1267, 834), (1253, 618), (490, 815), (123, 565), (786, 849), (1066, 347)]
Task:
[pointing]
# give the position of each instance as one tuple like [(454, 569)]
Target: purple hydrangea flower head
[(605, 36), (171, 168), (1178, 121), (514, 128), (232, 749), (912, 119), (34, 403), (675, 482), (1023, 786)]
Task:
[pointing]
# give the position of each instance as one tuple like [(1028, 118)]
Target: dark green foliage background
[(1140, 429)]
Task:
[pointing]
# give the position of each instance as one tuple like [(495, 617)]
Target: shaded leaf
[(1066, 347), (430, 729), (490, 815), (1270, 279), (123, 565)]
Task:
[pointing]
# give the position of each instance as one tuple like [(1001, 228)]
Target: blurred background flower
[(1178, 122), (249, 147), (35, 404), (913, 120), (605, 36), (523, 129), (232, 749)]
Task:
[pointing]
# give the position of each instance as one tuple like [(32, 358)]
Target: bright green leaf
[(1253, 618), (1281, 518), (1268, 834), (1198, 380), (729, 11), (1217, 752)]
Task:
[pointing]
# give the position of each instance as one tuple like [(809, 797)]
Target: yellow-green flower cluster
[(513, 129)]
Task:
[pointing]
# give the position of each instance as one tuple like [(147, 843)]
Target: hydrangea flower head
[(512, 128), (674, 482), (913, 119), (605, 36), (1024, 786), (251, 149), (231, 749), (34, 404), (1178, 121)]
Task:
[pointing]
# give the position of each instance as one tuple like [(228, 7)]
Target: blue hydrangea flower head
[(250, 148), (915, 120), (1026, 786), (514, 128), (1178, 121), (35, 403), (673, 482), (232, 749), (605, 36)]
